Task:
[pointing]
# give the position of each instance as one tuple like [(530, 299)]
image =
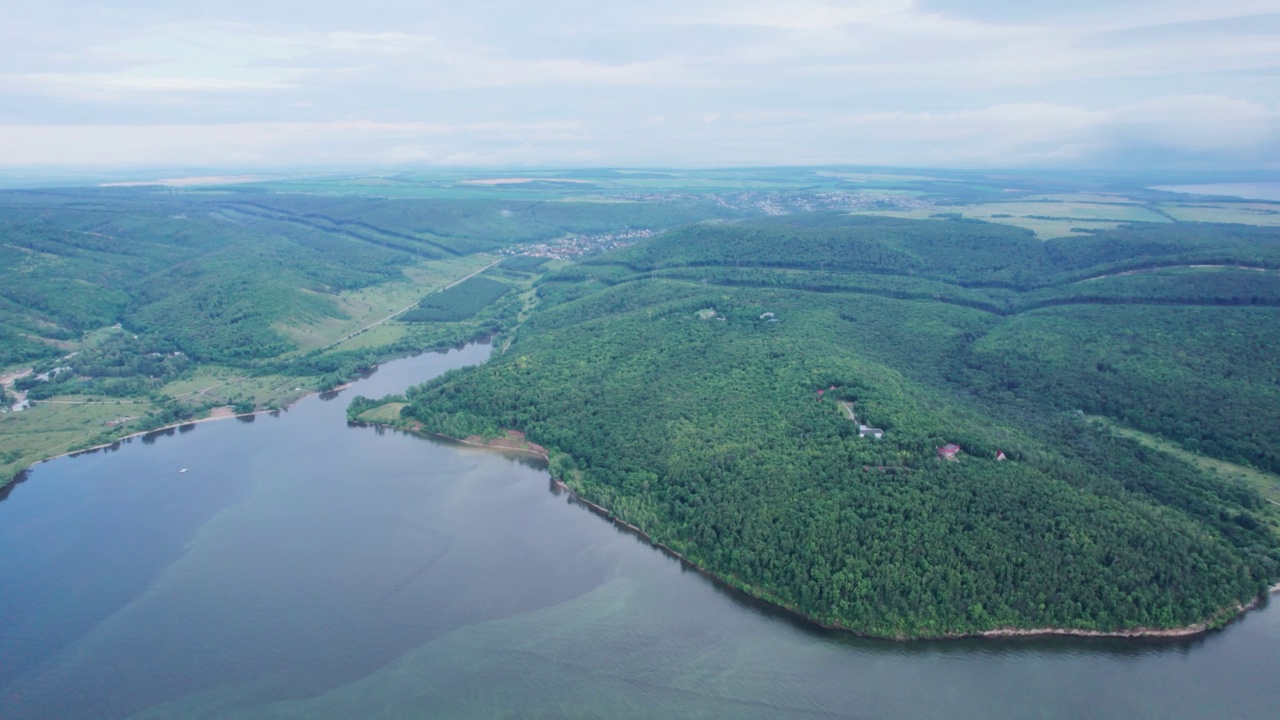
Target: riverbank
[(1149, 633), (513, 442), (1222, 619), (103, 438), (222, 412), (286, 400), (1200, 628), (214, 414)]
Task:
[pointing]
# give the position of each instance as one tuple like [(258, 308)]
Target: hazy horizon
[(935, 84)]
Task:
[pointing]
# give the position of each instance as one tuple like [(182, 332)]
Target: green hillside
[(697, 386)]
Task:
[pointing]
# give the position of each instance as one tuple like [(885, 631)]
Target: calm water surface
[(303, 568), (1249, 191)]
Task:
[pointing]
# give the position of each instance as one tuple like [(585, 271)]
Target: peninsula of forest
[(914, 428)]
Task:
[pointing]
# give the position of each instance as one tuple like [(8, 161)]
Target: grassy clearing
[(1053, 216), (97, 337), (376, 337), (523, 263), (227, 386), (1044, 229), (1071, 210), (529, 301), (1103, 198), (1266, 483), (91, 400), (369, 305), (995, 212), (49, 429), (195, 381), (384, 414), (1227, 213), (1047, 229)]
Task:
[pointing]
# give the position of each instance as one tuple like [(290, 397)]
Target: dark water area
[(302, 567)]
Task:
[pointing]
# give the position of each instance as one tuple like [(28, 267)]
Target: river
[(302, 567)]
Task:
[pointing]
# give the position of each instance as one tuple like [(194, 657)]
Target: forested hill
[(704, 386), (213, 274), (125, 309), (957, 251), (961, 251)]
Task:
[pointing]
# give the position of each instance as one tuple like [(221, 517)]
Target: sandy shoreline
[(502, 444)]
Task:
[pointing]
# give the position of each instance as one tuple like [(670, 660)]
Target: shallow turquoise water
[(305, 568)]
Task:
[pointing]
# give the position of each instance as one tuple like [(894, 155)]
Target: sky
[(263, 84)]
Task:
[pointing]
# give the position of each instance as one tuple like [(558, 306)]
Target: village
[(579, 245)]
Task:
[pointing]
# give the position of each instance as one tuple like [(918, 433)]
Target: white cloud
[(86, 85), (257, 144), (1004, 134), (1021, 134), (746, 81), (1193, 122), (386, 42), (807, 15)]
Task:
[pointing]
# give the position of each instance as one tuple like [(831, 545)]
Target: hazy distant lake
[(304, 568), (1251, 191)]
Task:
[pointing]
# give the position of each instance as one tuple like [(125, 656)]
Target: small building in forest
[(1000, 455), (949, 451)]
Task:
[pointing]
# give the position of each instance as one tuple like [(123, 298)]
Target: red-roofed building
[(948, 451)]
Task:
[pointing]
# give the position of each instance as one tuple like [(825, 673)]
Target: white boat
[(182, 471)]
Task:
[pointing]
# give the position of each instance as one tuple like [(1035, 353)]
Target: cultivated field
[(369, 305)]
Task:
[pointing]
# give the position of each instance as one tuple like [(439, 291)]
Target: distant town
[(576, 246)]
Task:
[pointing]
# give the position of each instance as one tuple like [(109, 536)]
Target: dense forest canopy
[(704, 386), (459, 302), (214, 274)]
